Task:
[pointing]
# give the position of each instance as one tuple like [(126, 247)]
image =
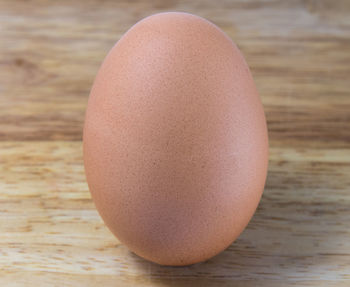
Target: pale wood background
[(50, 232)]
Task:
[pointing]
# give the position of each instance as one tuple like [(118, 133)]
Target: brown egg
[(175, 140)]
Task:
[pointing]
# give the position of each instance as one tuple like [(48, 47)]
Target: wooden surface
[(50, 232)]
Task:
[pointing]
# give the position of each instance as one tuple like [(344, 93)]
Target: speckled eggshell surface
[(175, 140)]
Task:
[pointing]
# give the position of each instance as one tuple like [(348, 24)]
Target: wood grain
[(50, 231)]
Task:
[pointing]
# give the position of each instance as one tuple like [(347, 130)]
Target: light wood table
[(50, 231)]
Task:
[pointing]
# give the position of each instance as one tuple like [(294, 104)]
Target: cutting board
[(50, 231)]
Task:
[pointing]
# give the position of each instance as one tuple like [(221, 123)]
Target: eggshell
[(175, 140)]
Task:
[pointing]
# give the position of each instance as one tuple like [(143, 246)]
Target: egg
[(175, 140)]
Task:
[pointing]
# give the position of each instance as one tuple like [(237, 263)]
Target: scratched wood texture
[(50, 232)]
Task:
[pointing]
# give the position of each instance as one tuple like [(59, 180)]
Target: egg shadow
[(285, 240)]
